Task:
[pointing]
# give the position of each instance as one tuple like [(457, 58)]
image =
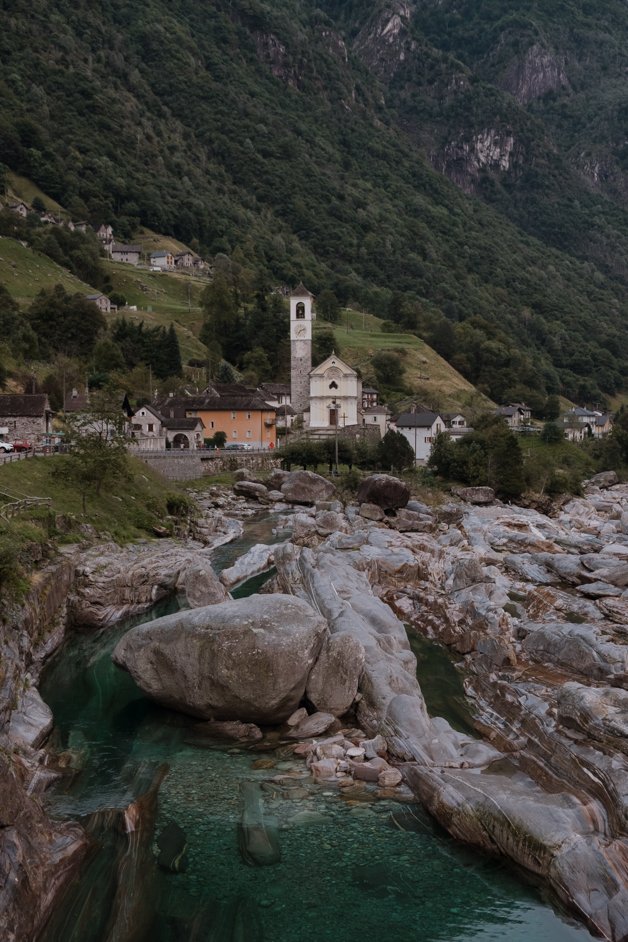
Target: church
[(330, 395)]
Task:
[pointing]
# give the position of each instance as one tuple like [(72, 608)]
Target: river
[(349, 869)]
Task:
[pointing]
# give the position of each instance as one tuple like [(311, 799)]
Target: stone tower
[(301, 317)]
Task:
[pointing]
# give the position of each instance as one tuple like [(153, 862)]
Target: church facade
[(335, 394)]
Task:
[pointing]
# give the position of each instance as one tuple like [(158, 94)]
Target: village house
[(370, 397), (49, 218), (105, 235), (580, 423), (245, 418), (20, 209), (77, 400), (27, 417), (130, 254), (377, 416), (153, 431), (162, 259), (420, 430), (102, 302), (276, 394), (454, 420), (184, 260), (514, 416)]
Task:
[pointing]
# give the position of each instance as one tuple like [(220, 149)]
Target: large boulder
[(305, 487), (333, 683), (475, 495), (387, 492), (247, 659)]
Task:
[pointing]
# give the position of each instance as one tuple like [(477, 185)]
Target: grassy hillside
[(127, 512), (163, 298), (21, 188), (24, 272), (432, 379)]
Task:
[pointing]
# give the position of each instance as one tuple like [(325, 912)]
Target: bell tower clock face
[(300, 331)]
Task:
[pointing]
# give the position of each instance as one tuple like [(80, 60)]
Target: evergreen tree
[(173, 353), (395, 452)]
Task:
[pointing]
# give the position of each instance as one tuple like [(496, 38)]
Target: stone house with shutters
[(153, 431), (26, 416), (184, 260), (130, 254), (101, 301), (162, 259)]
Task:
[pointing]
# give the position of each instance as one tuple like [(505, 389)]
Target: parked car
[(235, 446), (22, 445), (6, 446)]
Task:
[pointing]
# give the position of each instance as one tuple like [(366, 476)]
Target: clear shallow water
[(349, 870)]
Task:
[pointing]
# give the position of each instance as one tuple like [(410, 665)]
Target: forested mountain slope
[(331, 145)]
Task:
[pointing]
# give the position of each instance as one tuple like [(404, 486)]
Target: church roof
[(333, 360), (301, 292)]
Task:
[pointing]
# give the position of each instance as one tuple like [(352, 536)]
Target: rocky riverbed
[(533, 607)]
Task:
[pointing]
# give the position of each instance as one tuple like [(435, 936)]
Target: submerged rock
[(247, 659), (173, 847), (258, 835)]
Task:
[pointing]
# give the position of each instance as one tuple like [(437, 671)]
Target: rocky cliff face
[(38, 857), (535, 73)]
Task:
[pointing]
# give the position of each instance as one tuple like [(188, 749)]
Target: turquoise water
[(349, 870)]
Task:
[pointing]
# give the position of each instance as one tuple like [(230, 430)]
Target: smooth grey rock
[(604, 479), (314, 725), (329, 521), (598, 590), (475, 495), (602, 712), (202, 586), (333, 682), (408, 521), (256, 560), (579, 648), (250, 489), (32, 720), (306, 487), (371, 512), (386, 491), (247, 659)]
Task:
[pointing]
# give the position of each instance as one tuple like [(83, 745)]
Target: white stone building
[(335, 394), (420, 430), (301, 317)]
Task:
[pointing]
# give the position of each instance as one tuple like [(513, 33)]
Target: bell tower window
[(300, 311)]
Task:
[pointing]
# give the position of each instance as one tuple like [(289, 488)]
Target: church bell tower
[(301, 317)]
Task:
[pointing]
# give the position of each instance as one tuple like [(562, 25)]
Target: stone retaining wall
[(190, 466)]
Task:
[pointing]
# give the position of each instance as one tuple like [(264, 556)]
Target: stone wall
[(189, 466), (29, 427)]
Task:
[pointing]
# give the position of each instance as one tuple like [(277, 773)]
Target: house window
[(233, 415), (211, 424), (151, 427), (248, 415), (333, 385), (234, 434), (248, 434)]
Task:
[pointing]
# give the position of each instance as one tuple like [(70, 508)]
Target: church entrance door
[(333, 417)]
